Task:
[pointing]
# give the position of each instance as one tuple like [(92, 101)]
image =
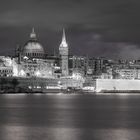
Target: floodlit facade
[(117, 85), (127, 73), (6, 71), (35, 68)]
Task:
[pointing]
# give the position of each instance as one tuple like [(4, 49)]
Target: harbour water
[(69, 117)]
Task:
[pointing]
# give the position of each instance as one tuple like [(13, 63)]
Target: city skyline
[(106, 29)]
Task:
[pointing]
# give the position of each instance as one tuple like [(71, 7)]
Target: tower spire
[(64, 42), (33, 34), (64, 36)]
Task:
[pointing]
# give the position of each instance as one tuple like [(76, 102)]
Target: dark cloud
[(113, 21)]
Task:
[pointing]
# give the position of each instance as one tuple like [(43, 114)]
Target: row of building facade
[(31, 60)]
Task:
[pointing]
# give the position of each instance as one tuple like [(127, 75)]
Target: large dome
[(33, 48)]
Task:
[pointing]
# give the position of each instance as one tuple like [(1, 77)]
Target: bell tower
[(64, 53)]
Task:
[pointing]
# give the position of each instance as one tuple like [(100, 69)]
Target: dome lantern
[(33, 34)]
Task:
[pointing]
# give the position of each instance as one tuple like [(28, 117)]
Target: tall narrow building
[(64, 53)]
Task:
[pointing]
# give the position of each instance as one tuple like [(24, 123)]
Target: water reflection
[(45, 133), (69, 117)]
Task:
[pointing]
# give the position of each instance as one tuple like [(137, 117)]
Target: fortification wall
[(117, 84)]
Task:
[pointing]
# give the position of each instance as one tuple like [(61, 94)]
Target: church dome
[(33, 48)]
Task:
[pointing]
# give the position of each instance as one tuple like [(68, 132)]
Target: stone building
[(64, 53)]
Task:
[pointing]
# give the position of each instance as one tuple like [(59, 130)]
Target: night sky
[(104, 28)]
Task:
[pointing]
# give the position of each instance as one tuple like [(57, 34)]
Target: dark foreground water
[(69, 117)]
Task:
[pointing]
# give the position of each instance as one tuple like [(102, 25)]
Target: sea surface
[(69, 117)]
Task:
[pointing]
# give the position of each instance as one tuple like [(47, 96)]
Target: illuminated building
[(32, 48), (6, 69), (33, 68), (64, 51), (127, 73), (31, 61)]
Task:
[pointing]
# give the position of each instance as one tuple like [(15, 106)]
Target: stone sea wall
[(117, 85)]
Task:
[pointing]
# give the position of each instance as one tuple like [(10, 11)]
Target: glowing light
[(38, 87), (15, 68), (7, 61), (15, 71), (22, 73), (38, 73), (77, 76), (25, 57)]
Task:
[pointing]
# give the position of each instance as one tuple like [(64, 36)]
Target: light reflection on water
[(45, 133), (66, 117)]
